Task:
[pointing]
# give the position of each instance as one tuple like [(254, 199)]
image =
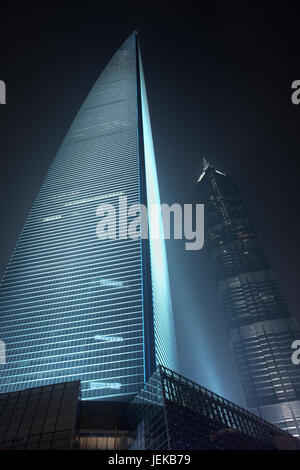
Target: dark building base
[(169, 413)]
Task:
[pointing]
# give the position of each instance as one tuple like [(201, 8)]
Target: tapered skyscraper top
[(74, 306)]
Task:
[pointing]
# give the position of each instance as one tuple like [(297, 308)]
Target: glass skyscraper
[(74, 307), (261, 327)]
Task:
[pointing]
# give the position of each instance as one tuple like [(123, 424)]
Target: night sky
[(219, 86)]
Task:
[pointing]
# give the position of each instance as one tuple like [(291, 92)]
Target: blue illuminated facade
[(261, 327), (74, 307)]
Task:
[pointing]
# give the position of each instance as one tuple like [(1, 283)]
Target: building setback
[(261, 326)]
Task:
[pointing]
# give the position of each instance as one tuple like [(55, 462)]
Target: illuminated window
[(49, 219), (109, 339), (101, 385)]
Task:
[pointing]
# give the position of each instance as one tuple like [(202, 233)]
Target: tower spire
[(205, 166)]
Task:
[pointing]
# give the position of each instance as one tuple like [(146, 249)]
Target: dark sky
[(219, 85)]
